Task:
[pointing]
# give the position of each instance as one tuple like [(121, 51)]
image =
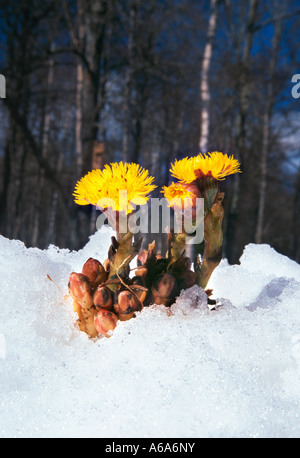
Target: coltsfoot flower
[(176, 194), (200, 175), (102, 187), (216, 165), (182, 197)]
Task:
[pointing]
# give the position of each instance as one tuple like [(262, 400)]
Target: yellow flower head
[(216, 165), (118, 185), (176, 193)]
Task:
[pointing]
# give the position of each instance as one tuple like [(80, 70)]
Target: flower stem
[(213, 239)]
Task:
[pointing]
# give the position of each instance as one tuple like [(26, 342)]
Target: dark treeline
[(89, 82)]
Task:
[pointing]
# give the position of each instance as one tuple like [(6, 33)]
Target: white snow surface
[(229, 372)]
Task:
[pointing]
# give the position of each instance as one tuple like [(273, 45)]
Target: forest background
[(93, 82)]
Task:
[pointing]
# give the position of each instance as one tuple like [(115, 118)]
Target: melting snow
[(233, 371)]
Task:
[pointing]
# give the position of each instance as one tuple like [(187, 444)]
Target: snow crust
[(229, 372)]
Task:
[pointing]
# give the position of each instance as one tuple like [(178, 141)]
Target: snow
[(233, 371)]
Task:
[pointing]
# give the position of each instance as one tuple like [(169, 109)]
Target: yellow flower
[(176, 193), (216, 165), (118, 185)]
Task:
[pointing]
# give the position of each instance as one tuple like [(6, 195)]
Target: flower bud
[(127, 303), (182, 264), (164, 289), (186, 279), (80, 289), (125, 316), (105, 322), (103, 297), (95, 271)]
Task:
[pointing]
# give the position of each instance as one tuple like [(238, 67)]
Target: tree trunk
[(95, 18), (88, 42), (266, 130), (79, 87), (240, 137), (45, 142), (127, 130), (204, 85)]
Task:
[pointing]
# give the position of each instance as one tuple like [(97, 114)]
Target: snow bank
[(229, 372)]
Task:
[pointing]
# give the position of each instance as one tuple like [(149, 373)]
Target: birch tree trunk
[(240, 137), (79, 87), (127, 134), (53, 207), (88, 35), (204, 84), (266, 129), (45, 143), (88, 42)]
